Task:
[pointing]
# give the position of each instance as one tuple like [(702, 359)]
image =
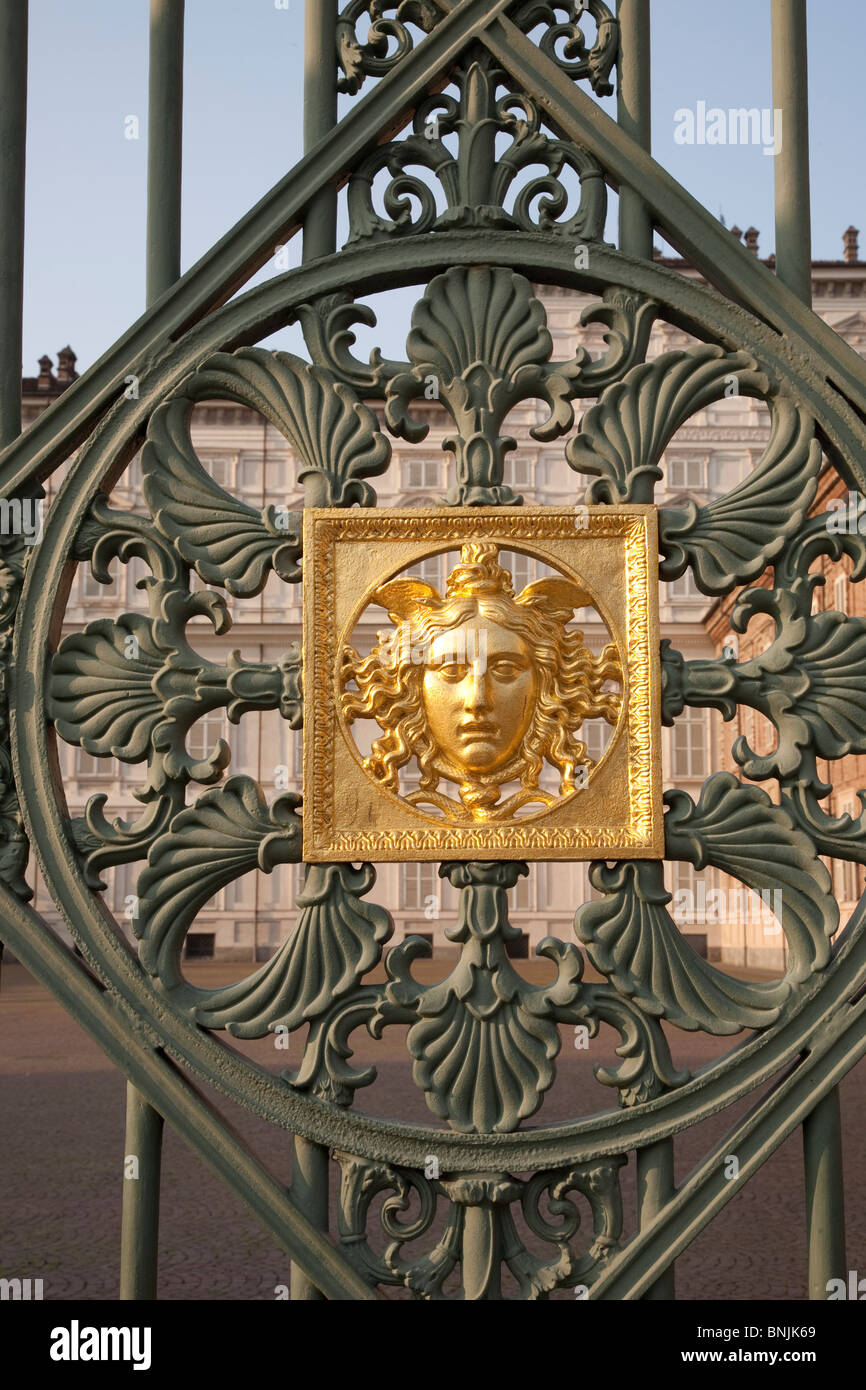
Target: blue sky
[(84, 274)]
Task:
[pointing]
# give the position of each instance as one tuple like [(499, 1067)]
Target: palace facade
[(246, 455)]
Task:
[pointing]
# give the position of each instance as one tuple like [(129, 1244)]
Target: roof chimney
[(66, 360), (849, 241), (752, 235), (45, 380), (737, 232)]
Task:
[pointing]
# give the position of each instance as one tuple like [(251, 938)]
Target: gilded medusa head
[(481, 687)]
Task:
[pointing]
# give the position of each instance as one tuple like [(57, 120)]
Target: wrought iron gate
[(474, 93)]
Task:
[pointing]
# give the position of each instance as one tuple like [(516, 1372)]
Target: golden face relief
[(479, 689)]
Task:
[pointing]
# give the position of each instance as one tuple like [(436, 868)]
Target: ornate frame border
[(642, 837)]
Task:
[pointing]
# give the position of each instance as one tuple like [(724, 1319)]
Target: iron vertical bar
[(655, 1188), (309, 1192), (139, 1240), (825, 1195), (655, 1163), (310, 1171), (634, 116), (320, 117), (822, 1129), (13, 140), (139, 1230), (164, 146), (791, 144)]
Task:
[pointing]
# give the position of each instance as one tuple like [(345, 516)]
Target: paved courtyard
[(62, 1109)]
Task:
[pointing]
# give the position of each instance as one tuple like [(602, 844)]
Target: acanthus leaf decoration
[(810, 683), (477, 182), (387, 41), (577, 58), (227, 832), (481, 336), (327, 327), (733, 539), (646, 1069), (739, 830), (631, 939), (336, 940), (484, 1041), (362, 1180), (132, 689), (620, 440), (227, 542)]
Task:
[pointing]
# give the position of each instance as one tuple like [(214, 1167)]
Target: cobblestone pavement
[(61, 1149)]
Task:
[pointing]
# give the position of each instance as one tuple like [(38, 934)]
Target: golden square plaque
[(453, 710)]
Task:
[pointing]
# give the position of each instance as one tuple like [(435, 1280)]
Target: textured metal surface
[(352, 812), (483, 1042)]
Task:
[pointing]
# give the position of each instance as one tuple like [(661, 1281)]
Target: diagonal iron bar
[(699, 237), (227, 266), (168, 1091), (752, 1142)]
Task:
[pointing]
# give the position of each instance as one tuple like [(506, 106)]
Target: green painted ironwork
[(483, 1042)]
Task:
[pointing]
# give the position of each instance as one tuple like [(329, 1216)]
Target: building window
[(595, 735), (221, 468), (689, 741), (199, 944), (846, 881), (840, 593), (523, 894), (87, 766), (89, 587), (418, 884), (517, 472), (423, 473), (202, 737), (125, 883), (689, 889), (690, 475), (522, 570), (250, 476), (684, 587), (429, 570)]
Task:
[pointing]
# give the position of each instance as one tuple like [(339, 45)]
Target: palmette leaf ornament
[(334, 436), (480, 341), (227, 832), (134, 688), (484, 1041), (336, 940), (477, 182), (227, 542), (810, 682), (631, 938), (733, 539), (621, 439), (738, 829)]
